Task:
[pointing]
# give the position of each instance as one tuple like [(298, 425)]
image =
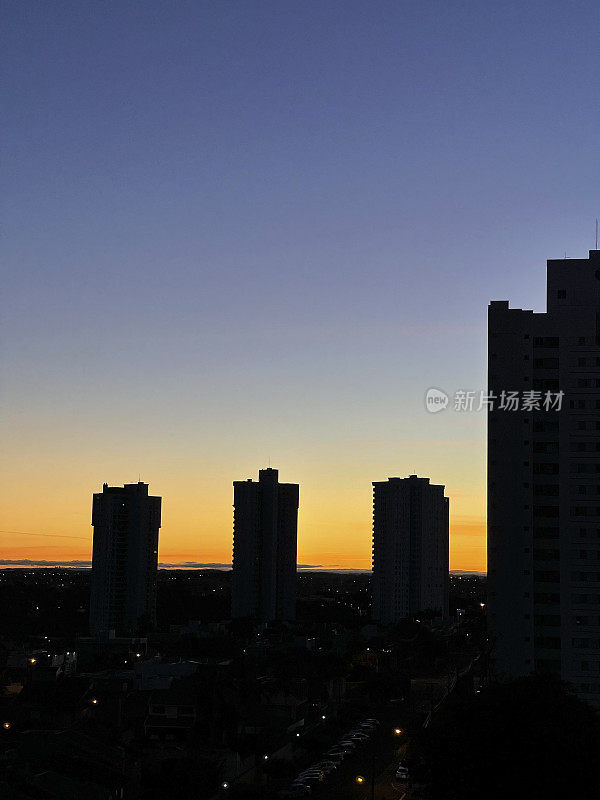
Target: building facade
[(410, 549), (544, 481), (265, 533), (126, 523)]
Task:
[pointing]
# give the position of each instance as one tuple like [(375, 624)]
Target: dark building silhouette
[(126, 522), (544, 481), (265, 533), (410, 548)]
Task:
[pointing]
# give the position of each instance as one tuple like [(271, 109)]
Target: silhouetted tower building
[(410, 548), (126, 522), (544, 481), (265, 533)]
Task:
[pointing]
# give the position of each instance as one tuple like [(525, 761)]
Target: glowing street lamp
[(224, 785), (398, 731), (6, 726), (360, 779), (94, 701)]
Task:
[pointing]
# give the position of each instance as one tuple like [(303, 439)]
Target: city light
[(6, 726), (398, 731), (32, 660), (360, 779), (225, 785), (94, 701), (266, 758)]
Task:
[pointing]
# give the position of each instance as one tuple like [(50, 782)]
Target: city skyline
[(207, 209), (192, 564), (300, 400)]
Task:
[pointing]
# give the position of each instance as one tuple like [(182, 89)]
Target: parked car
[(347, 744), (336, 754), (358, 735), (296, 790), (326, 766), (309, 780), (402, 772)]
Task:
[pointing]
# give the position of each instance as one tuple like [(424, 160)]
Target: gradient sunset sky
[(237, 232)]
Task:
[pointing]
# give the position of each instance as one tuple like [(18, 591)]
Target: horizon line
[(25, 563)]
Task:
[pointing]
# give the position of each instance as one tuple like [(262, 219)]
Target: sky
[(242, 233)]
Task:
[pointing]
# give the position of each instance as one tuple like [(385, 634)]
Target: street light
[(224, 785), (94, 701), (398, 731), (6, 726), (360, 779)]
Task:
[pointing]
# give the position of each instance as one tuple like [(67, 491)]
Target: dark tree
[(527, 738)]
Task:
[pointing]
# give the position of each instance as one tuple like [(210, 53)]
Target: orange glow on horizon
[(334, 522), (339, 550)]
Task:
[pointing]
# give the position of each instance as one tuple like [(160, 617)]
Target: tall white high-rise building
[(265, 547), (544, 481), (126, 523), (410, 548)]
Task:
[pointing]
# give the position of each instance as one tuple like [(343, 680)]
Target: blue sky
[(242, 230)]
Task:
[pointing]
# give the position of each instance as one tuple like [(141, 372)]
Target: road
[(342, 785), (386, 787)]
